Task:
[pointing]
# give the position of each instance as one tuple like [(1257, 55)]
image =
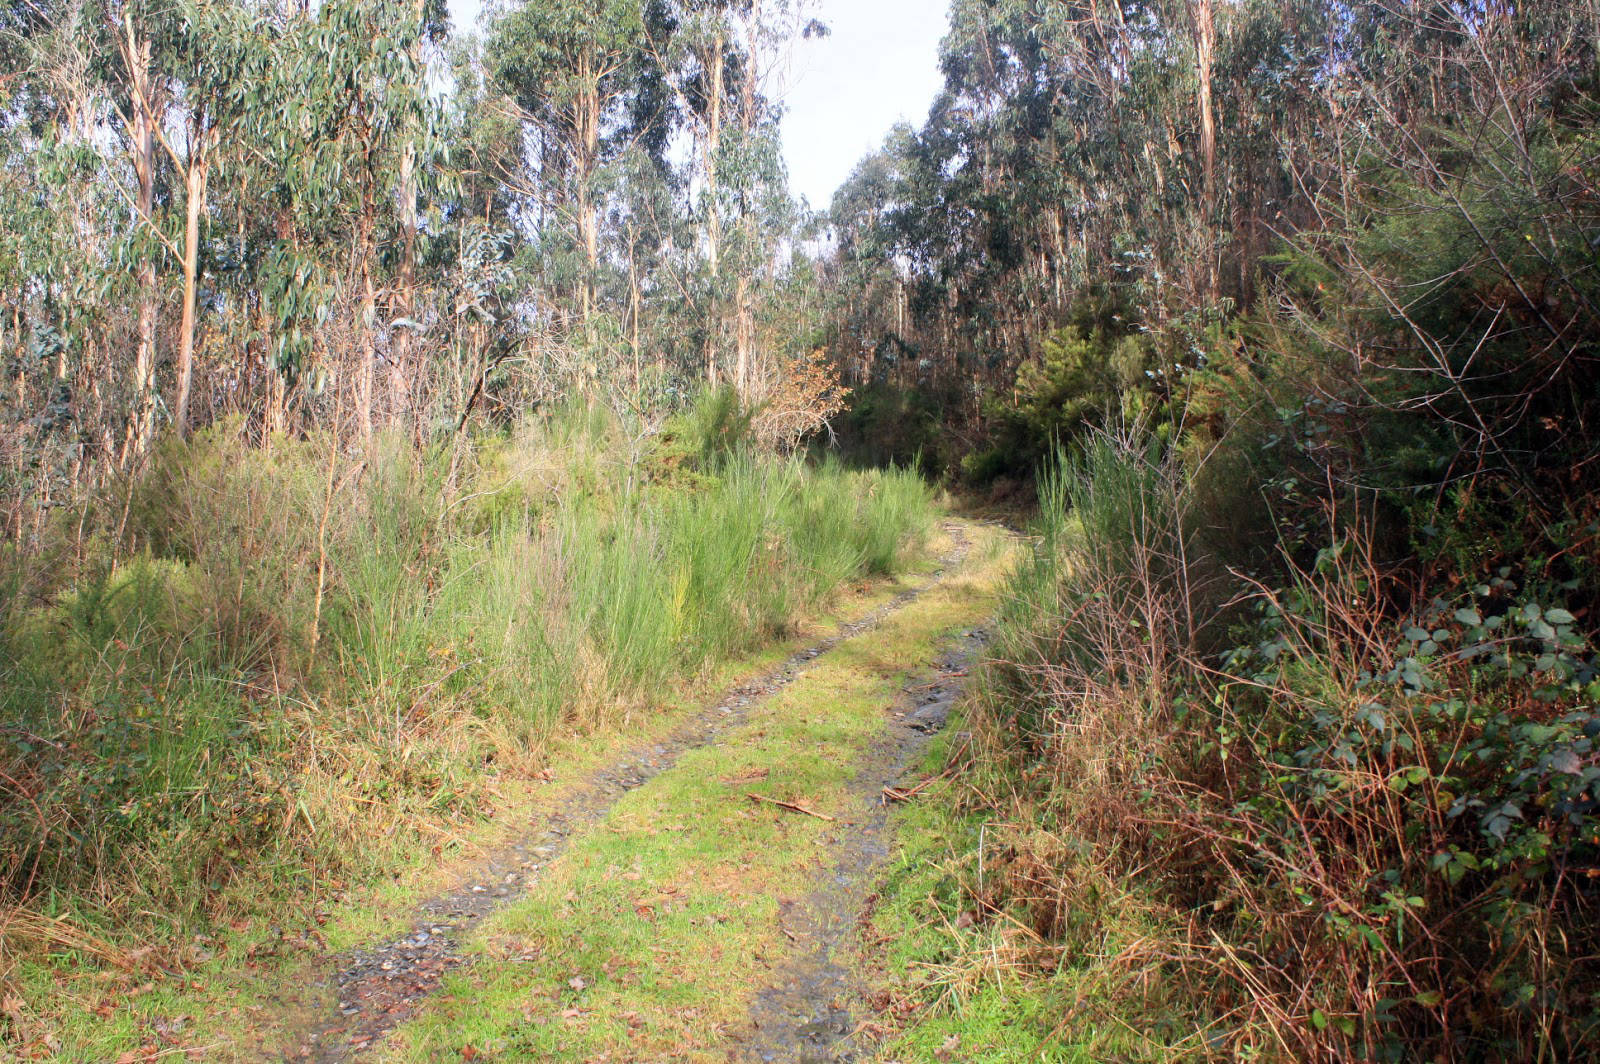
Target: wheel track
[(380, 987), (811, 1005)]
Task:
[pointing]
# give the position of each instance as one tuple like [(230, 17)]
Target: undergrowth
[(228, 685), (1287, 820)]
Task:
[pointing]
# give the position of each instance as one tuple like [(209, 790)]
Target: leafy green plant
[(301, 647)]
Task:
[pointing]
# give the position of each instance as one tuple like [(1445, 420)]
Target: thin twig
[(791, 806)]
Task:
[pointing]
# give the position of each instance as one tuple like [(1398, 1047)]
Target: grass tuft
[(257, 675)]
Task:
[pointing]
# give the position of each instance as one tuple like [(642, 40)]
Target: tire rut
[(812, 1005), (379, 987)]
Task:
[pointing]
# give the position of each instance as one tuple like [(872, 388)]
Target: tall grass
[(289, 653), (1286, 822)]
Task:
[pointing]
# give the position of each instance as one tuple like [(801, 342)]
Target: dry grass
[(1247, 865)]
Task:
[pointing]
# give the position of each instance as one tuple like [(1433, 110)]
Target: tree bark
[(588, 161), (743, 337), (634, 302), (1201, 16), (142, 146), (713, 213), (402, 303), (366, 346), (194, 203)]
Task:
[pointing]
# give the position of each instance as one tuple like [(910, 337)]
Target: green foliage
[(302, 645), (1078, 382), (1450, 780), (884, 426), (1368, 808), (714, 429)]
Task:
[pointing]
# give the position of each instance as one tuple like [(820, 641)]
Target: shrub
[(300, 648), (1080, 380), (1353, 835)]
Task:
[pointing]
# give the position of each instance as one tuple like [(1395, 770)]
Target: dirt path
[(811, 1006), (457, 983)]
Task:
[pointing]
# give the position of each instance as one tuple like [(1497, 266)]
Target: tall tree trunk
[(1204, 25), (743, 312), (712, 146), (634, 301), (743, 337), (193, 204), (714, 215), (142, 147), (401, 304), (588, 161), (366, 346)]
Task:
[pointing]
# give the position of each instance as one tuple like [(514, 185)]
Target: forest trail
[(698, 897)]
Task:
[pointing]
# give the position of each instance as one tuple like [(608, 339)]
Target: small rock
[(933, 715)]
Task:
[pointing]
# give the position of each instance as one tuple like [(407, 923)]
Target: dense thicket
[(1301, 304), (1109, 198)]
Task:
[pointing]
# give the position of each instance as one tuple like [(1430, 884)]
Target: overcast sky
[(879, 66)]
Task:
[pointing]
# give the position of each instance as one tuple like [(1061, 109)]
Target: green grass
[(967, 990), (199, 760), (649, 937)]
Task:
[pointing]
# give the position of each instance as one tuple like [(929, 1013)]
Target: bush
[(1353, 835), (1081, 380), (297, 649)]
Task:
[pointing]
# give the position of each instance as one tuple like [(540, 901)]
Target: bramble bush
[(1344, 832)]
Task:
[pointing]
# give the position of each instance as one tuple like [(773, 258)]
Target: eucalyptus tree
[(582, 82), (134, 45), (342, 97), (698, 57), (86, 78), (1077, 168), (721, 59), (648, 240), (223, 54)]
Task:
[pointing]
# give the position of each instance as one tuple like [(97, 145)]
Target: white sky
[(879, 66)]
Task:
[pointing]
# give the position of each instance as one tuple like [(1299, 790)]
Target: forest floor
[(706, 886)]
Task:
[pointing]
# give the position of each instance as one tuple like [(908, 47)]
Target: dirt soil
[(813, 1007)]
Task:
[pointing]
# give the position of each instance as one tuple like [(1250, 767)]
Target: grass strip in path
[(263, 990), (656, 934)]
